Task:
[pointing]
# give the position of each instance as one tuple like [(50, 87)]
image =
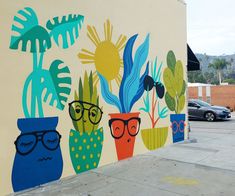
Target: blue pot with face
[(177, 125), (38, 157)]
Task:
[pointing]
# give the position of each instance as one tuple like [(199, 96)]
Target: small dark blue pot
[(40, 165), (177, 124)]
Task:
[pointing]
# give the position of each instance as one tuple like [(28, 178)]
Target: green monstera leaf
[(57, 83), (170, 102), (169, 81), (178, 77), (26, 29), (171, 60), (67, 28)]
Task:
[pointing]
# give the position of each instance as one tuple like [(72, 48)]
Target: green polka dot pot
[(85, 149)]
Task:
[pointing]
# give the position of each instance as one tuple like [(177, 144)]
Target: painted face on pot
[(38, 159), (87, 113), (124, 132), (38, 146)]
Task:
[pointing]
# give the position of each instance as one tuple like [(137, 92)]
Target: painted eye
[(25, 144), (78, 110), (52, 141), (93, 114)]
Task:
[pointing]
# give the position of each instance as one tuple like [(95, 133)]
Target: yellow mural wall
[(88, 83)]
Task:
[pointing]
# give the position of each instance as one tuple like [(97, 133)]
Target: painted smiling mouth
[(45, 159)]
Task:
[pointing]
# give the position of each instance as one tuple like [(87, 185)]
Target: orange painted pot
[(124, 127)]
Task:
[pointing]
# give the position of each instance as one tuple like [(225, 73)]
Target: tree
[(218, 65)]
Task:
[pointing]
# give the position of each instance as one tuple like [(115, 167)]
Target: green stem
[(33, 87), (24, 97)]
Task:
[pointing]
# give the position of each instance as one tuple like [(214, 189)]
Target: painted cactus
[(86, 141), (174, 83), (124, 126), (175, 96), (38, 156)]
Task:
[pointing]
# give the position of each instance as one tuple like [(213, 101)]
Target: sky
[(211, 26)]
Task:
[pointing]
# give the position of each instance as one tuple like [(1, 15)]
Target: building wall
[(46, 60), (220, 95)]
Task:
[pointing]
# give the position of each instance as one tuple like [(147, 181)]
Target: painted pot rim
[(37, 124), (166, 127), (113, 115)]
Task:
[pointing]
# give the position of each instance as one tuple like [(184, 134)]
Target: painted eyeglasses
[(178, 126), (77, 108), (117, 127), (26, 143), (149, 84)]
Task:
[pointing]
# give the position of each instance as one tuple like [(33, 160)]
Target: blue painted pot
[(38, 157), (177, 125)]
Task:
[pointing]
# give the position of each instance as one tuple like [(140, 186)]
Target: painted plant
[(154, 137), (86, 141), (175, 84), (38, 156), (125, 125)]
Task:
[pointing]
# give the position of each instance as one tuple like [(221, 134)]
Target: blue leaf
[(107, 95), (141, 87), (128, 64), (131, 84)]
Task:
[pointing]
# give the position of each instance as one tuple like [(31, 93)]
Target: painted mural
[(175, 95), (38, 157), (124, 126), (111, 102), (86, 141), (154, 137), (107, 57)]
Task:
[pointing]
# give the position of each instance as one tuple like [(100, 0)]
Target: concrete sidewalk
[(205, 167)]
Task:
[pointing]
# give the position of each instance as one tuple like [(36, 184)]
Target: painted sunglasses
[(117, 127), (178, 127), (149, 84), (26, 143), (77, 108)]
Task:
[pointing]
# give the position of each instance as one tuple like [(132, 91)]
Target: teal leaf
[(162, 113), (67, 28), (131, 84), (27, 30), (107, 95), (146, 103), (57, 83)]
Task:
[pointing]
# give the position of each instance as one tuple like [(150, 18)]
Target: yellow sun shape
[(106, 57)]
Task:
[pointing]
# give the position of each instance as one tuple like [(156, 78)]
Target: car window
[(190, 104), (202, 103)]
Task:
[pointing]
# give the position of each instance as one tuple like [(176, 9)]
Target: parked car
[(198, 109)]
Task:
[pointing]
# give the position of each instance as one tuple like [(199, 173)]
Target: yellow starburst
[(106, 57)]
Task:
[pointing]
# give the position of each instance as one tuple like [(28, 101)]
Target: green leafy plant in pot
[(86, 141), (125, 125), (38, 156), (154, 137), (175, 95)]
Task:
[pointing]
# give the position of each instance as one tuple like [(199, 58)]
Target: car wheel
[(210, 116)]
